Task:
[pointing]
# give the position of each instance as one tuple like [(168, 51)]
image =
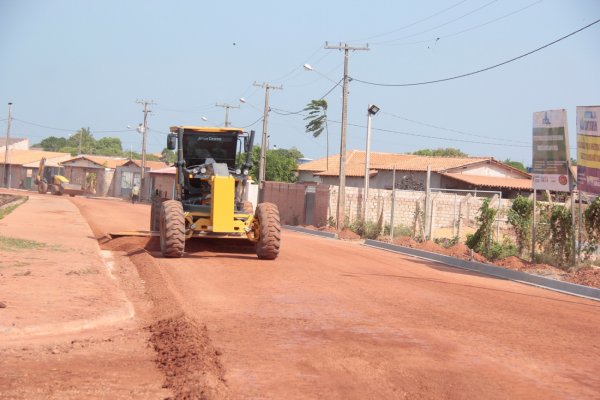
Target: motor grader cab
[(211, 193), (52, 178)]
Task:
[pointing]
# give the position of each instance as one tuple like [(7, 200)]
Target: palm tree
[(317, 116)]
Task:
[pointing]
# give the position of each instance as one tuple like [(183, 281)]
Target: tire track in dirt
[(184, 352)]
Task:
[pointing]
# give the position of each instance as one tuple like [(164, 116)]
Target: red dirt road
[(333, 319)]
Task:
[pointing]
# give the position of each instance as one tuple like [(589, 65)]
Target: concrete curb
[(487, 269), (18, 201), (329, 235)]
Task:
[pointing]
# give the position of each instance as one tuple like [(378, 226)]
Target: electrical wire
[(451, 130), (288, 113), (68, 130), (467, 29), (438, 26), (254, 123), (410, 25), (478, 71)]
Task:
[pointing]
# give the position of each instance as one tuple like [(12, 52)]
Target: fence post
[(533, 226), (393, 205), (427, 226)]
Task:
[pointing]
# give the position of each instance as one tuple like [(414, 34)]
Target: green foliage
[(52, 143), (502, 250), (399, 230), (447, 242), (317, 116), (7, 210), (168, 156), (481, 241), (591, 219), (520, 216), (515, 164), (108, 146), (447, 152), (13, 244), (281, 164), (562, 231), (367, 230)]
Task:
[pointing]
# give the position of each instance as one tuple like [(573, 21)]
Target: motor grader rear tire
[(172, 229), (42, 187), (269, 231)]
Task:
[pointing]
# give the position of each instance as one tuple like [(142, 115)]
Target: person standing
[(135, 193)]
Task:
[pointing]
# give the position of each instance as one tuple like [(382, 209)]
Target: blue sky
[(72, 64)]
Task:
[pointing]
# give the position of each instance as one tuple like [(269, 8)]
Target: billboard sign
[(550, 167), (588, 149)]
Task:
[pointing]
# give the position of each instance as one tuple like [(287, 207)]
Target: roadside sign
[(588, 149), (550, 151)]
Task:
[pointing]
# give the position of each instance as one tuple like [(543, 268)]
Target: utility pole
[(144, 129), (6, 153), (341, 205), (226, 107), (263, 146)]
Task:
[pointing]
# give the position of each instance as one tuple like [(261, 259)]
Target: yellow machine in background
[(211, 194), (46, 180)]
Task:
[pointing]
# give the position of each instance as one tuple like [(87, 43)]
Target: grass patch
[(7, 210), (13, 244)]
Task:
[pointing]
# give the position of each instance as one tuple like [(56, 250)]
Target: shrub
[(561, 227), (520, 216), (591, 217), (368, 230), (481, 241), (399, 230), (446, 242)]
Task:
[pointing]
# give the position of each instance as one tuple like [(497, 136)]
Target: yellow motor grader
[(49, 178), (211, 192)]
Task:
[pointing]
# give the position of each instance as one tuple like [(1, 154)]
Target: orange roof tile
[(490, 181), (21, 157), (355, 163), (105, 161), (149, 164)]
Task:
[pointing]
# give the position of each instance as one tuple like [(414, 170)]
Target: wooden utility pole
[(144, 129), (341, 204), (6, 151), (263, 146), (226, 107)]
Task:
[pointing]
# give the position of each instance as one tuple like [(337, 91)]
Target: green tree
[(108, 146), (52, 143), (447, 152), (168, 156), (515, 164), (317, 121), (81, 142), (281, 164)]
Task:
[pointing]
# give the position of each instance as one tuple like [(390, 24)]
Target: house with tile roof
[(23, 165), (107, 176), (462, 173)]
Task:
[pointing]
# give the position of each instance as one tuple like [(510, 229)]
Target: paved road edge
[(487, 269)]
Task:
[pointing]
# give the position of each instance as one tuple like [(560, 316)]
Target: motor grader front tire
[(172, 229), (269, 231)]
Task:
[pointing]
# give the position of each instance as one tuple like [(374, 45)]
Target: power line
[(481, 70), (449, 129), (467, 29), (254, 123), (412, 24), (441, 25), (64, 129)]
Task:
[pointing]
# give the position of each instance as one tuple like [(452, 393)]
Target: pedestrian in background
[(135, 194)]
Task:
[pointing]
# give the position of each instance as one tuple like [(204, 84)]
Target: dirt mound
[(588, 276), (125, 243), (347, 234), (188, 360), (514, 263), (406, 241), (432, 247)]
